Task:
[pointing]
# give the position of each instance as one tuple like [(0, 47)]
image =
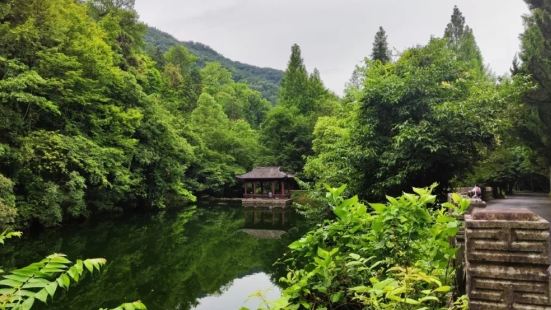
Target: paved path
[(535, 202)]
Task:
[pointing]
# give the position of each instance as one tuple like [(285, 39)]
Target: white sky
[(334, 35)]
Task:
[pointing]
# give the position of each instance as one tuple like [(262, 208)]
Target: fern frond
[(38, 281), (8, 234)]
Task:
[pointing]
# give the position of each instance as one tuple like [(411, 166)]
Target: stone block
[(507, 260), (477, 203)]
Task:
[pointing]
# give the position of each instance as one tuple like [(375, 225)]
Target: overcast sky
[(334, 35)]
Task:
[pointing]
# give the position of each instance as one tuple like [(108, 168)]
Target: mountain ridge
[(264, 79)]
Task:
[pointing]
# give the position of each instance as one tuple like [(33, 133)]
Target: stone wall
[(507, 260)]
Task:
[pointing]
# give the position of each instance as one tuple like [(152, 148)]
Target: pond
[(208, 257)]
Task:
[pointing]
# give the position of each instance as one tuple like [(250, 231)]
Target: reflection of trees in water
[(168, 260)]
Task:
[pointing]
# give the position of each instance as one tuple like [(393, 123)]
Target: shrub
[(377, 256)]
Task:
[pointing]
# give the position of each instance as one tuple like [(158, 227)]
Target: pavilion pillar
[(254, 188), (283, 188), (273, 188), (245, 188)]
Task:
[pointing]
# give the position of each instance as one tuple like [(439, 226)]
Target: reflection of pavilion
[(266, 218), (266, 223)]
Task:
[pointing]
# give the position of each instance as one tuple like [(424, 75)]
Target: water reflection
[(238, 294), (267, 218), (267, 222), (169, 260)]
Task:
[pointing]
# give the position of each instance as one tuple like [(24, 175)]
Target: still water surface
[(210, 257)]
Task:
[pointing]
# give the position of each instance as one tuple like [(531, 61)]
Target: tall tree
[(287, 130), (294, 82), (456, 28), (461, 39), (182, 77), (535, 55), (380, 47), (124, 31)]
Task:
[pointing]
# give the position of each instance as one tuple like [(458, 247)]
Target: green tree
[(461, 39), (287, 130), (295, 82), (182, 78), (8, 211), (226, 148), (380, 49), (124, 31), (423, 118), (535, 55), (288, 136), (82, 128), (238, 99), (333, 149)]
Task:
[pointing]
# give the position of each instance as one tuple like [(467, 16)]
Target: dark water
[(201, 257)]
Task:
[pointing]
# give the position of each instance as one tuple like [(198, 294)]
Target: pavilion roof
[(265, 173)]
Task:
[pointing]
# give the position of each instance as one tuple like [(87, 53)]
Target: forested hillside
[(93, 119), (89, 122), (265, 80)]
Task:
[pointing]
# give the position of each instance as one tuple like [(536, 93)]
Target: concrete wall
[(507, 260)]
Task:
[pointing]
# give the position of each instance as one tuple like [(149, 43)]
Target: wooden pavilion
[(267, 183)]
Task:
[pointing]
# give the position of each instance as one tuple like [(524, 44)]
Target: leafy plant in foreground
[(378, 256), (40, 280), (20, 288)]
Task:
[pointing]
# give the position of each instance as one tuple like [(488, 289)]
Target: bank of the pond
[(170, 260)]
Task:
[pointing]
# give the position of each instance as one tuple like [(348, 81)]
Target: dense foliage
[(377, 256), (429, 116), (90, 122), (287, 131), (535, 53)]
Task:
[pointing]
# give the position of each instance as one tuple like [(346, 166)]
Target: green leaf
[(336, 297), (42, 295), (51, 288), (443, 289), (11, 283), (323, 253), (27, 304), (88, 264), (378, 207), (429, 298), (411, 301), (73, 272), (64, 281)]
